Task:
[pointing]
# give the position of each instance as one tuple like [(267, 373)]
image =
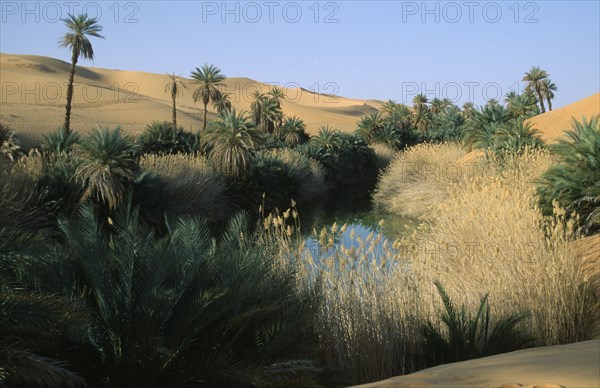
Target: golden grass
[(482, 232), (418, 178)]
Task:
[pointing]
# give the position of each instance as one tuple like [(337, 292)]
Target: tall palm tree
[(222, 102), (256, 96), (79, 28), (175, 88), (435, 106), (389, 106), (534, 79), (108, 165), (234, 139), (420, 110), (548, 89), (209, 79)]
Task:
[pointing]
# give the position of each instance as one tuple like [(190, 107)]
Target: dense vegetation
[(168, 260)]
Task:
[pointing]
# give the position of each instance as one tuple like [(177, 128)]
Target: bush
[(182, 185), (574, 182), (347, 159), (162, 138), (469, 335)]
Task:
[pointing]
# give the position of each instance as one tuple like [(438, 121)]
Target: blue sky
[(463, 50)]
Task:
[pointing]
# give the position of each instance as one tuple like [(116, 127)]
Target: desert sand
[(553, 124), (34, 92), (572, 366)]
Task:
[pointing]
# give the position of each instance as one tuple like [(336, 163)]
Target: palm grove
[(162, 260)]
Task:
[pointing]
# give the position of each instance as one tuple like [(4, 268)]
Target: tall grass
[(418, 178), (482, 233)]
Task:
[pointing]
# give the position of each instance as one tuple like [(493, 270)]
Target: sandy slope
[(34, 91), (572, 366), (553, 124)]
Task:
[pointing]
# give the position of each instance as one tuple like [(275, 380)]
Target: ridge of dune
[(34, 92), (569, 366), (552, 124)]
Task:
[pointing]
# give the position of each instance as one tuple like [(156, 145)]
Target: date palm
[(420, 111), (209, 79), (79, 28), (108, 166), (535, 82), (277, 94), (389, 107), (548, 89), (256, 96), (467, 109), (234, 139), (270, 114), (369, 125), (293, 131), (222, 102), (175, 88)]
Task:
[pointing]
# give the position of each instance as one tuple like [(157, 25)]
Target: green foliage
[(60, 141), (347, 159), (574, 182), (107, 166), (470, 335), (233, 139), (162, 138), (183, 309), (293, 131)]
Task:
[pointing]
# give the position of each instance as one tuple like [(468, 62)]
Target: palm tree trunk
[(70, 93), (174, 114), (205, 112), (549, 103), (541, 101)]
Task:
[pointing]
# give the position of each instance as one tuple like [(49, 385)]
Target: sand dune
[(34, 92), (570, 366), (553, 124)]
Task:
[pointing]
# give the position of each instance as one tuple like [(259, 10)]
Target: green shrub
[(468, 335), (574, 182), (59, 141), (162, 138)]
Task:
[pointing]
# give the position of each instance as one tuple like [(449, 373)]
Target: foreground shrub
[(574, 182), (471, 335), (183, 309)]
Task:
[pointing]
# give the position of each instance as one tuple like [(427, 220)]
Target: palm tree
[(270, 114), (435, 105), (534, 79), (209, 79), (368, 126), (548, 89), (175, 88), (293, 131), (222, 102), (389, 106), (256, 96), (420, 110), (327, 139), (108, 165), (79, 28), (277, 94), (467, 109), (522, 105), (234, 139)]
